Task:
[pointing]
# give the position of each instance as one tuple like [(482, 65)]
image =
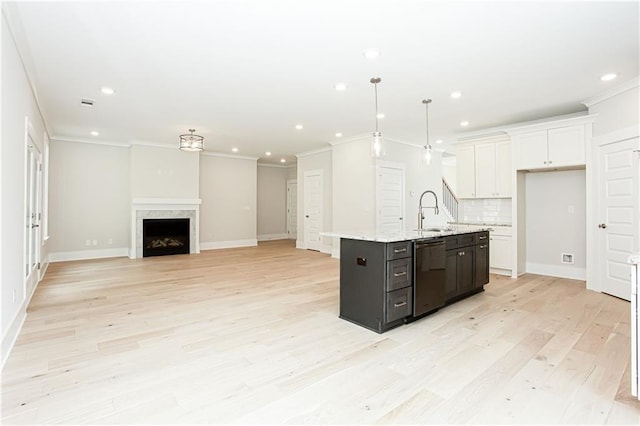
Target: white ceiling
[(244, 73)]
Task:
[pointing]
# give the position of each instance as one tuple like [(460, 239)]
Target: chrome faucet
[(421, 208)]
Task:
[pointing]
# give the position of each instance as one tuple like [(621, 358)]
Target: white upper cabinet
[(551, 148), (484, 169)]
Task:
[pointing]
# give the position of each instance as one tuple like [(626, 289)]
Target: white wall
[(158, 172), (617, 112), (88, 200), (551, 229), (229, 199), (18, 102), (272, 202), (308, 162)]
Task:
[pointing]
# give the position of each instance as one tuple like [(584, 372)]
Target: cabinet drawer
[(399, 273), (399, 250), (460, 240), (399, 304), (482, 237)]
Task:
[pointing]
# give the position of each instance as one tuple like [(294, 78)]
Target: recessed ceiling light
[(94, 133), (456, 94), (234, 149), (340, 87), (609, 77), (464, 123), (299, 127), (282, 160), (107, 90), (338, 135), (371, 53), (380, 115), (439, 141), (268, 153)]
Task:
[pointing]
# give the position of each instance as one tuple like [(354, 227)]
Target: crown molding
[(221, 155), (276, 166), (90, 141), (614, 91), (549, 123), (315, 151), (355, 138)]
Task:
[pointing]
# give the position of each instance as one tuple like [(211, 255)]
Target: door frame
[(32, 275), (290, 221), (381, 164), (594, 202), (305, 211)]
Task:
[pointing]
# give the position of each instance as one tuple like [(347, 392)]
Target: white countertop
[(400, 236), (488, 224)]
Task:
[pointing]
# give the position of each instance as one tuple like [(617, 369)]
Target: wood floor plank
[(253, 335)]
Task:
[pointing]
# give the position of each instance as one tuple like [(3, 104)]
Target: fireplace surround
[(164, 208)]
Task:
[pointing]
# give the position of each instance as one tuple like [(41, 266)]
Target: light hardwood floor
[(252, 335)]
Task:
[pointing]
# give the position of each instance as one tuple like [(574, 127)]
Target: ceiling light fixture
[(234, 149), (371, 53), (338, 135), (282, 160), (439, 141), (191, 142), (268, 153), (380, 115), (340, 87), (456, 94), (299, 127), (464, 123), (377, 146), (107, 90), (95, 133), (427, 148), (609, 77)]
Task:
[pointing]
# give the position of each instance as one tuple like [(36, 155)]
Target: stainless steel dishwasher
[(429, 286)]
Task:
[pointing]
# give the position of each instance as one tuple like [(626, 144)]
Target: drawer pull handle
[(460, 253), (400, 274), (483, 238), (483, 247), (399, 305), (402, 250)]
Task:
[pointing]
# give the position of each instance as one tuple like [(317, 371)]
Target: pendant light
[(377, 145), (428, 149), (191, 142)]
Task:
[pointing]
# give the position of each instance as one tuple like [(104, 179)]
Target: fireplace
[(161, 237)]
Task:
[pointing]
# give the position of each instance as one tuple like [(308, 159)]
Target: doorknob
[(602, 225), (306, 215)]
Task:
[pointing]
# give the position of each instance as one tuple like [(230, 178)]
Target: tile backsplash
[(486, 210)]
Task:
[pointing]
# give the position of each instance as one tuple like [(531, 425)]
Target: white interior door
[(313, 209), (292, 209), (390, 200), (616, 216), (32, 215)]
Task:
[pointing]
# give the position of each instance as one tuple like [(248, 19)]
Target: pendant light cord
[(375, 86)]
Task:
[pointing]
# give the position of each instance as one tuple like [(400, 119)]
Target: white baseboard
[(326, 248), (560, 271), (301, 245), (214, 245), (335, 252), (500, 271), (268, 237), (11, 335), (64, 256)]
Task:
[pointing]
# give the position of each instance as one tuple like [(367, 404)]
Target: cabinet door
[(532, 150), (465, 165), (485, 170), (482, 265), (503, 169), (566, 146), (500, 255), (466, 269), (451, 275)]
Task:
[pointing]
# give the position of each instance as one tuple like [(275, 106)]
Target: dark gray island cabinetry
[(386, 282)]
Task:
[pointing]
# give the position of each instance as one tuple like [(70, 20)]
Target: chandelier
[(377, 147), (191, 142)]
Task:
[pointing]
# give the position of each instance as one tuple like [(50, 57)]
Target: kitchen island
[(389, 280)]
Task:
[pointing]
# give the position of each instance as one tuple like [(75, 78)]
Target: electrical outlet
[(94, 242), (87, 243), (567, 258)]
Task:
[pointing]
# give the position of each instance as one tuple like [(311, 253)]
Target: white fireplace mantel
[(170, 208)]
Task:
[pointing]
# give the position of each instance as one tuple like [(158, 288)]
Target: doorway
[(32, 214), (292, 209), (313, 209), (390, 181), (616, 221)]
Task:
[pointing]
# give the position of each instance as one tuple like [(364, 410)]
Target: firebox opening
[(161, 237)]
